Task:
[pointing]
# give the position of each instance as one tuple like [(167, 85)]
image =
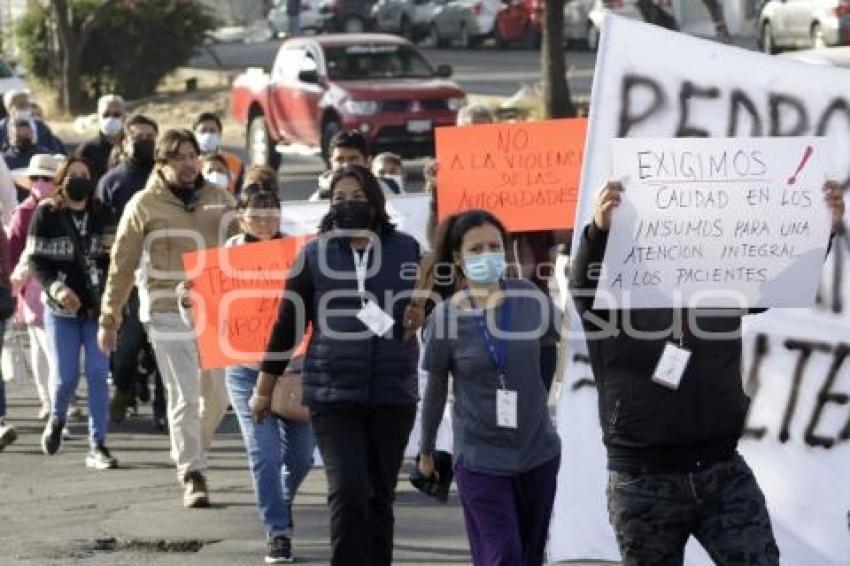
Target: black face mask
[(24, 144), (143, 151), (352, 215), (79, 188)]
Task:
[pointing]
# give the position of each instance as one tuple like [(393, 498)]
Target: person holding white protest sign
[(487, 333), (672, 409)]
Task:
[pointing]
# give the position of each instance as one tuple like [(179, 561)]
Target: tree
[(72, 35), (556, 92), (123, 46)]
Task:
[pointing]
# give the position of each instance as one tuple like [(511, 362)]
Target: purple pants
[(507, 517)]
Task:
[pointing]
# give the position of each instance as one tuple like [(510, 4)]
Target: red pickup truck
[(378, 84)]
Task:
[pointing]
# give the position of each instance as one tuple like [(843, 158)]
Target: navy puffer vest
[(345, 362)]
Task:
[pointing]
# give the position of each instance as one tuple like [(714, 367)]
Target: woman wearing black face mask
[(70, 237), (360, 377)]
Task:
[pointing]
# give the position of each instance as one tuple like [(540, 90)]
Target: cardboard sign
[(409, 213), (236, 293), (718, 222), (527, 174)]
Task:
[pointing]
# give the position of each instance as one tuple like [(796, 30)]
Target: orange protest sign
[(526, 173), (236, 292)]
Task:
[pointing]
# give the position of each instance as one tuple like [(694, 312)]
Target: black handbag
[(8, 303)]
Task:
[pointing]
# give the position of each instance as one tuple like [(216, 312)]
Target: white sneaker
[(99, 458)]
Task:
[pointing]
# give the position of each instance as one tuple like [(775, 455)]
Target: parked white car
[(583, 18), (794, 24), (408, 18), (308, 19), (465, 22)]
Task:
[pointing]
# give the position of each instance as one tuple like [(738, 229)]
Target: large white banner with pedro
[(652, 83)]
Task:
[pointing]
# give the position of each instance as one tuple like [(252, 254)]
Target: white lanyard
[(361, 269)]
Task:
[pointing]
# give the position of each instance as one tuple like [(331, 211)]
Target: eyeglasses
[(112, 114), (44, 178)]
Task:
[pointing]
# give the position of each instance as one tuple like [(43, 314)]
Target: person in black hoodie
[(114, 191), (69, 239), (360, 378), (674, 470), (116, 188)]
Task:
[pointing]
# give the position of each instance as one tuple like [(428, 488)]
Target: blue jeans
[(66, 336), (280, 453)]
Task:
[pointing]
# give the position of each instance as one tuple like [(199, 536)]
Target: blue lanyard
[(498, 349)]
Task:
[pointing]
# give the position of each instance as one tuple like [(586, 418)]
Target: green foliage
[(134, 45)]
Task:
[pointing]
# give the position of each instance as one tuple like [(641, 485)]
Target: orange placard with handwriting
[(236, 293), (526, 173)]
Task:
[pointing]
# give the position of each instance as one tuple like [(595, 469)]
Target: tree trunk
[(71, 83), (556, 93)]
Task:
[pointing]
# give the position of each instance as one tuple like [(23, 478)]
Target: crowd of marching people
[(91, 264)]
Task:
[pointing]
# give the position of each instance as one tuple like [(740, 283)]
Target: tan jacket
[(157, 223)]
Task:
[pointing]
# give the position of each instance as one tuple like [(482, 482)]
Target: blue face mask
[(486, 268)]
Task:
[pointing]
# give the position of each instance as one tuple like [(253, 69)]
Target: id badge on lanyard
[(673, 362), (371, 315), (506, 399)]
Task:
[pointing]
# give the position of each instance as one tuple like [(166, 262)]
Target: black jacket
[(44, 136), (116, 188), (338, 368), (96, 151), (60, 253), (646, 426)]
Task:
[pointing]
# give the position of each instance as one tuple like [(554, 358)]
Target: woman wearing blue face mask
[(487, 333)]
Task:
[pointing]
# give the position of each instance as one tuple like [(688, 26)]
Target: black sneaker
[(51, 439), (99, 458), (120, 405), (279, 550), (8, 435)]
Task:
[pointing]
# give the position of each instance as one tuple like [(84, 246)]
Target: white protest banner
[(409, 213), (717, 222), (650, 82)]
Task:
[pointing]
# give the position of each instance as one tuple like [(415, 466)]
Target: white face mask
[(208, 142), (111, 126), (397, 179), (220, 180)]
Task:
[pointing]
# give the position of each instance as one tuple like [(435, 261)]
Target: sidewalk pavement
[(55, 511)]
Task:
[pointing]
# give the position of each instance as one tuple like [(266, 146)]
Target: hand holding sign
[(608, 199)]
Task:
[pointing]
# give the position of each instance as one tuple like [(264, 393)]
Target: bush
[(130, 50)]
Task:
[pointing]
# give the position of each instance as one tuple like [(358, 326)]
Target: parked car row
[(465, 23)]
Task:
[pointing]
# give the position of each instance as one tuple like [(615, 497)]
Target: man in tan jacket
[(177, 212)]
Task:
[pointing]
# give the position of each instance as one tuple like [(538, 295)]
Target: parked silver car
[(408, 18), (583, 18), (465, 22), (793, 24)]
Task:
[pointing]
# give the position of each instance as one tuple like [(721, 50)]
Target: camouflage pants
[(722, 506)]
